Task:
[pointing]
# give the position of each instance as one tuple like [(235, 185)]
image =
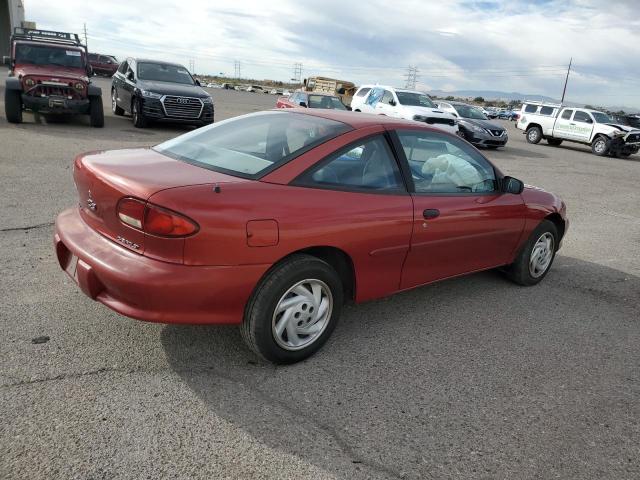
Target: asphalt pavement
[(469, 378)]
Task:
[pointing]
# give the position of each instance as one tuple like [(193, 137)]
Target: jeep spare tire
[(96, 112), (13, 106)]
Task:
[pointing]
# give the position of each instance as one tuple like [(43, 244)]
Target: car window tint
[(582, 117), (252, 144), (443, 164), (567, 114), (123, 67), (546, 110), (367, 166), (530, 108), (362, 92), (374, 96)]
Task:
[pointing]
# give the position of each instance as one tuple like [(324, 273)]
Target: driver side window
[(443, 164)]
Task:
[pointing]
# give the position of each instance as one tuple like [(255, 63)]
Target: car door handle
[(431, 213)]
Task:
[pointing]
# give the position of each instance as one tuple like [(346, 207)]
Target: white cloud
[(462, 44)]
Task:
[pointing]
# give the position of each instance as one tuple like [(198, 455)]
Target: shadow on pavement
[(472, 377)]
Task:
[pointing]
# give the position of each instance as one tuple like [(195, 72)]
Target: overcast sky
[(521, 46)]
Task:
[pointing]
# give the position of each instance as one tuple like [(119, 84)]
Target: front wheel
[(534, 135), (136, 112), (534, 260), (96, 112), (600, 146), (13, 106), (114, 104), (294, 310)]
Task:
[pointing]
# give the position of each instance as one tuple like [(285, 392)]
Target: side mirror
[(130, 75), (349, 107), (303, 104), (512, 185), (392, 102), (198, 83)]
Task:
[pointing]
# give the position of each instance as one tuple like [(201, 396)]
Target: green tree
[(450, 97), (478, 100)]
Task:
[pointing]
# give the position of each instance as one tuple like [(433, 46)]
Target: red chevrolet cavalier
[(272, 220)]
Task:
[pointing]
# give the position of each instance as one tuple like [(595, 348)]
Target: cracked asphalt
[(469, 378)]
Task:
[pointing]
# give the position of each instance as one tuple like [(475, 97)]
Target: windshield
[(467, 111), (252, 145), (324, 101), (164, 73), (601, 117), (634, 122), (46, 55), (415, 99)]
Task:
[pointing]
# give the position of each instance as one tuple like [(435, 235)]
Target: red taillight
[(166, 223), (154, 220)]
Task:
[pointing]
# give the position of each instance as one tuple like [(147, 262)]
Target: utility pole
[(236, 67), (412, 77), (86, 43), (566, 80), (192, 65), (297, 72)]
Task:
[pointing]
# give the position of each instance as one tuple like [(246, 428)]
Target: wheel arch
[(13, 83), (559, 222), (533, 124)]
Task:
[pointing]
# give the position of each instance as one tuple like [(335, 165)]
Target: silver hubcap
[(599, 147), (302, 314), (541, 255), (533, 135)]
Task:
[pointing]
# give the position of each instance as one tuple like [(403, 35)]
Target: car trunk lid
[(104, 178)]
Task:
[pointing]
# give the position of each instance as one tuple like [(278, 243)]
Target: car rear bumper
[(148, 289), (55, 104)]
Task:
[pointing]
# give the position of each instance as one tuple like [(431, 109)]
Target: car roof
[(355, 119), (150, 60)]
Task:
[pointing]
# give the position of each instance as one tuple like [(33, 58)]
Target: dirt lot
[(469, 378)]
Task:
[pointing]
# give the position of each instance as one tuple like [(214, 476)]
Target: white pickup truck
[(557, 123)]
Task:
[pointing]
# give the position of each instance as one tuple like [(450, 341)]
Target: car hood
[(625, 128), (51, 72), (482, 123), (427, 111), (168, 88)]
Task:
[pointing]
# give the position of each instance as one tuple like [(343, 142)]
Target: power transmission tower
[(236, 67), (192, 65), (297, 72), (86, 44), (412, 77)]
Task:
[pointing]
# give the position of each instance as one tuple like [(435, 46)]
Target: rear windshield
[(44, 55), (160, 72), (325, 101), (252, 145)]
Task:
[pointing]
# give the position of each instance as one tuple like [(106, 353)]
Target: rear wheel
[(600, 146), (535, 259), (96, 112), (136, 112), (294, 310), (554, 142), (13, 106), (114, 104), (534, 135)]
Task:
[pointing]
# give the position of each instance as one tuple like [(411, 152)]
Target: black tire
[(600, 146), (138, 117), (114, 106), (96, 112), (554, 142), (519, 271), (624, 155), (13, 106), (257, 327), (534, 135)]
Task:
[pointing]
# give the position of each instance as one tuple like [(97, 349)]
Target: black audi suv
[(154, 91)]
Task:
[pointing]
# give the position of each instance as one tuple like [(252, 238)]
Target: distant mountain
[(508, 96)]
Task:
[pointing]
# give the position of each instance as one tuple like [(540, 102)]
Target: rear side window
[(367, 166), (362, 92), (252, 145), (531, 108), (582, 117), (566, 115), (546, 110)]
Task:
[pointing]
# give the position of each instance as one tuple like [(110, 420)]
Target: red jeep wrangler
[(49, 74)]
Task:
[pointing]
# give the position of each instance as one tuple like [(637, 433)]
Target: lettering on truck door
[(583, 125), (563, 126)]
